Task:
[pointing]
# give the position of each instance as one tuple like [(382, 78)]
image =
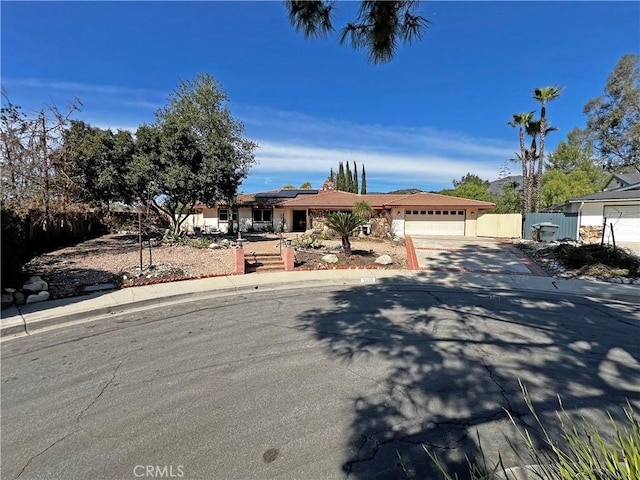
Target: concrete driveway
[(470, 254)]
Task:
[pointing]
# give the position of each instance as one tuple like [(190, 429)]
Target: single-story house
[(301, 210), (617, 208)]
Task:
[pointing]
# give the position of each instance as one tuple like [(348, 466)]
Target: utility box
[(544, 232)]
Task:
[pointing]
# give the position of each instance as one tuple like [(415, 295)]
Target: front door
[(299, 220)]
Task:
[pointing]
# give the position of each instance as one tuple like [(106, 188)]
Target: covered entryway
[(299, 220), (434, 222)]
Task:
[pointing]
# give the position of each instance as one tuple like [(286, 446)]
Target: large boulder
[(384, 260), (38, 297), (7, 300), (35, 284), (330, 258), (19, 298)]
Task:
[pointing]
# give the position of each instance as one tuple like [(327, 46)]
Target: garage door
[(434, 222), (626, 222)]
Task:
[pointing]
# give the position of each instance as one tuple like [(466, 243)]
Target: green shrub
[(14, 248), (307, 241)]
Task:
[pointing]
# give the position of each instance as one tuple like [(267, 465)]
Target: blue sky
[(436, 112)]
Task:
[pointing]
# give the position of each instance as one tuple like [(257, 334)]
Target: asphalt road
[(310, 384)]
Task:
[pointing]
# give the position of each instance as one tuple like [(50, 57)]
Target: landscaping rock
[(330, 258), (35, 284), (7, 300), (19, 298), (10, 290), (214, 246), (384, 260), (38, 297)]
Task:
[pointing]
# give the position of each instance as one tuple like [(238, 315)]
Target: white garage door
[(434, 222), (626, 222)]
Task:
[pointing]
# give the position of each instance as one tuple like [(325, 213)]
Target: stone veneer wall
[(591, 233)]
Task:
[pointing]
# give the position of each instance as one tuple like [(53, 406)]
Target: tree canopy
[(379, 28), (194, 151), (613, 121)]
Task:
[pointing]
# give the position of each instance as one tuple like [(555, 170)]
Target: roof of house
[(624, 180), (425, 199), (607, 196), (337, 199)]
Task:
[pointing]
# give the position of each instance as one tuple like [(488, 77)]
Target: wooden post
[(613, 238)]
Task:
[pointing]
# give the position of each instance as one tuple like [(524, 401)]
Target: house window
[(415, 212), (430, 212), (423, 212), (438, 212), (223, 215), (262, 215), (460, 212), (453, 212), (407, 212), (445, 212)]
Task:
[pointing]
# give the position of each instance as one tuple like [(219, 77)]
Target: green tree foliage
[(363, 186), (343, 224), (98, 162), (379, 28), (355, 178), (511, 200), (348, 177), (363, 209), (543, 95), (289, 187), (521, 120), (578, 153), (470, 186), (613, 120), (195, 151), (332, 177), (340, 182), (306, 186), (559, 186)]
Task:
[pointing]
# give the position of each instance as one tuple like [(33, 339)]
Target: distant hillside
[(405, 191), (496, 187)]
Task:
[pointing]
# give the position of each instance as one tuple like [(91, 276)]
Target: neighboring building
[(617, 206), (301, 210)]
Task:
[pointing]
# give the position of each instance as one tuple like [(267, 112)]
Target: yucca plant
[(343, 224)]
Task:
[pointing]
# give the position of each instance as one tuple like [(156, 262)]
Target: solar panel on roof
[(286, 193)]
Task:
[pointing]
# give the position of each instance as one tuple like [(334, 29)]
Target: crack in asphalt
[(76, 426)]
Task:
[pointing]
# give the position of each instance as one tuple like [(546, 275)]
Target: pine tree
[(355, 178), (363, 187), (348, 187), (332, 177), (340, 181)]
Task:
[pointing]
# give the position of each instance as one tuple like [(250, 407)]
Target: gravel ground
[(115, 258)]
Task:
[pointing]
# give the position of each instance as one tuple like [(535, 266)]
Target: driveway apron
[(470, 254)]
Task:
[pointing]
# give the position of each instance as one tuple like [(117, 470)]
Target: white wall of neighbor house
[(210, 217)]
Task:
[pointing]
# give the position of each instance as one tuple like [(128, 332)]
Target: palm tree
[(343, 224), (379, 27), (533, 129), (543, 95), (521, 120)]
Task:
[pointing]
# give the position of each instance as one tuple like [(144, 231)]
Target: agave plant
[(343, 224)]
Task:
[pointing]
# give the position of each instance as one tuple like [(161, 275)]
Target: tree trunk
[(525, 175), (346, 245), (543, 127)]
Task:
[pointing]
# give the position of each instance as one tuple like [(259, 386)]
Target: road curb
[(25, 323)]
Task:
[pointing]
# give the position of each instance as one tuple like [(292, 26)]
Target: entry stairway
[(263, 262)]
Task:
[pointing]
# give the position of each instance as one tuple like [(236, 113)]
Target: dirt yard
[(115, 258)]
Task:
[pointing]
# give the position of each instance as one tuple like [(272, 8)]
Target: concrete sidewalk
[(27, 319)]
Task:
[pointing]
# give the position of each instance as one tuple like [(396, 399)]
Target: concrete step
[(263, 262)]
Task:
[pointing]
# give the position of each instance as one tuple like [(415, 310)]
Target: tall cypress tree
[(340, 181), (355, 178), (348, 187), (332, 177), (363, 188)]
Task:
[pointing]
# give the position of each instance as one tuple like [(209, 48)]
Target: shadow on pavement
[(447, 365)]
